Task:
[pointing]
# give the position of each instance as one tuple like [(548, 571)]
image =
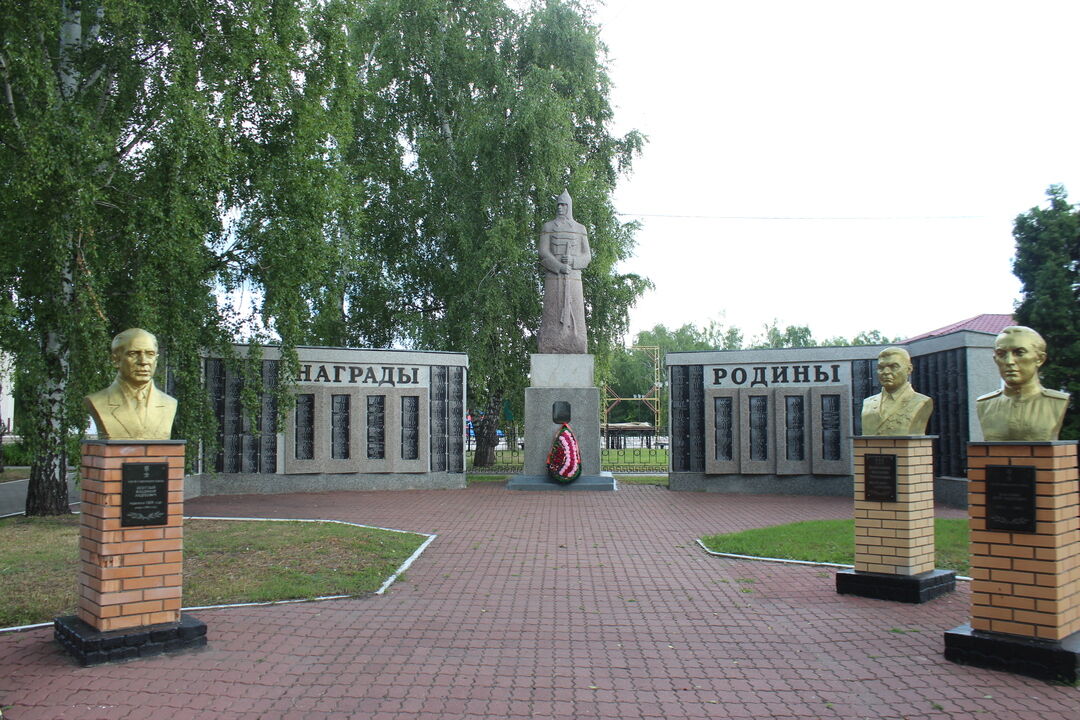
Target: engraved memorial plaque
[(144, 495), (560, 411), (879, 478), (1010, 498)]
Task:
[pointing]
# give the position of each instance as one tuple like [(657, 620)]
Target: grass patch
[(10, 474), (225, 561), (833, 541), (661, 480)]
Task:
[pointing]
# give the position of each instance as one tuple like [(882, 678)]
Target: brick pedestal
[(130, 575), (894, 538), (1025, 614)]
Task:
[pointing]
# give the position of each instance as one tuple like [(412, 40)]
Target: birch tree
[(152, 154)]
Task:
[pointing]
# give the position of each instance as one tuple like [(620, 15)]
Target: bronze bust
[(897, 409), (132, 408), (1022, 410)]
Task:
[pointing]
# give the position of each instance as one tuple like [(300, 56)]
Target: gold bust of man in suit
[(897, 409), (132, 408), (1023, 410)]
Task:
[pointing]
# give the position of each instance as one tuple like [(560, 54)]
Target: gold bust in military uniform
[(897, 409), (132, 408), (1023, 410)]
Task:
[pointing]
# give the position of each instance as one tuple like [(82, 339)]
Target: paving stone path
[(565, 606)]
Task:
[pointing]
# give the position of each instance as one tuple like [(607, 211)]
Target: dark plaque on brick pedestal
[(879, 478), (1010, 498), (144, 497)]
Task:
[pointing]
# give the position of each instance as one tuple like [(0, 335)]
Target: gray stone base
[(208, 484), (951, 492), (948, 491), (1057, 661), (603, 481), (831, 485), (563, 371), (898, 588), (540, 429)]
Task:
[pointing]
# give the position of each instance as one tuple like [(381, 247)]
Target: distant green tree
[(789, 337), (1048, 264), (864, 337)]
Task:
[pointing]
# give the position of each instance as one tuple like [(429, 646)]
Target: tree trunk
[(47, 490), (486, 437)]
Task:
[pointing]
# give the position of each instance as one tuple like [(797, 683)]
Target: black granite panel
[(439, 417), (794, 426), (455, 420)]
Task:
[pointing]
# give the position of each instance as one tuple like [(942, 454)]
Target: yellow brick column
[(1025, 589), (131, 566), (894, 522)]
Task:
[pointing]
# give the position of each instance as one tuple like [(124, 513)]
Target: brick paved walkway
[(549, 605)]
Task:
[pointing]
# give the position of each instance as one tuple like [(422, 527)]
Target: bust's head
[(134, 354), (1019, 352), (893, 368)]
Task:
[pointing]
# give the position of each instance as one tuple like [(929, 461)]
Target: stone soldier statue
[(897, 409), (1023, 410), (564, 253), (132, 408)]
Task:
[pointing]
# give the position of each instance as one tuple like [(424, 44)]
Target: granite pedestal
[(562, 391)]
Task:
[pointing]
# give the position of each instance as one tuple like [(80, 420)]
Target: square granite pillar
[(131, 541), (562, 391), (894, 522), (1024, 507)]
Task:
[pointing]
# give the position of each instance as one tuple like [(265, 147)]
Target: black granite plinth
[(899, 588), (93, 647), (1057, 661), (603, 481)]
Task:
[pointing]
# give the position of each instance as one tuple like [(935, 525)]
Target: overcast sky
[(842, 165)]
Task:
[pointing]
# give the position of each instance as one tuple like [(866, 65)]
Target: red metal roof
[(986, 323)]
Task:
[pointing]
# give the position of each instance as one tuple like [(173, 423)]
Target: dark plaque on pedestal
[(144, 497), (1010, 498), (879, 478)]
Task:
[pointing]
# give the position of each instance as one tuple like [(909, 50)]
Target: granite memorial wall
[(364, 419), (781, 420)]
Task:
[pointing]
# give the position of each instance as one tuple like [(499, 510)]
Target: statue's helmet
[(566, 200)]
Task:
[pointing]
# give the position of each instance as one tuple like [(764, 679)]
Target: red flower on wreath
[(564, 460)]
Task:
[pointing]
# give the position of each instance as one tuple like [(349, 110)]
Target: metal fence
[(623, 454)]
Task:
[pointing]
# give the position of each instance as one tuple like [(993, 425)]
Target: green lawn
[(833, 541), (225, 561)]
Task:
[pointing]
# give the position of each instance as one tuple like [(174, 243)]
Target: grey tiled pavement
[(549, 605)]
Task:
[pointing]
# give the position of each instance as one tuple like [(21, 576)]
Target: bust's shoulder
[(104, 394), (990, 395), (163, 397), (1055, 394), (920, 398)]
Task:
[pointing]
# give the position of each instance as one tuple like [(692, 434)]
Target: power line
[(796, 217)]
